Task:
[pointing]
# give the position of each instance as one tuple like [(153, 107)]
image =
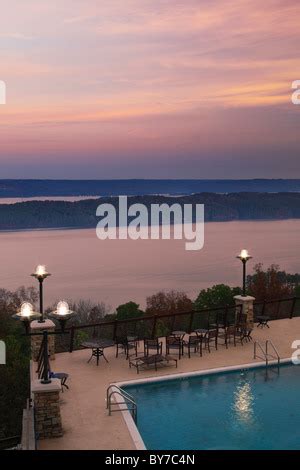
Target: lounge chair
[(153, 360)]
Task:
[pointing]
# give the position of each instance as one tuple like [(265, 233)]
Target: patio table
[(263, 321), (178, 334), (97, 347), (201, 331)]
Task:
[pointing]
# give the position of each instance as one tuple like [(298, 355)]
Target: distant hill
[(35, 188), (82, 214)]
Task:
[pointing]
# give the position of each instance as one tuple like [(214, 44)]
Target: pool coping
[(132, 427)]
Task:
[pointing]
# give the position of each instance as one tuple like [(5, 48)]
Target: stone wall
[(247, 307), (48, 422)]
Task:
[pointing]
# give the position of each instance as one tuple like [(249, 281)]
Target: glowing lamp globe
[(41, 272), (63, 308), (26, 310), (62, 313), (26, 314), (244, 255)]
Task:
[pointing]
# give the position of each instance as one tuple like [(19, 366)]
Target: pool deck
[(86, 423)]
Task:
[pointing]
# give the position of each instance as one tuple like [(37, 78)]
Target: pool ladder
[(265, 352), (128, 401)]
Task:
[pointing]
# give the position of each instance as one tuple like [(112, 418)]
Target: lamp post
[(40, 274), (27, 314), (244, 257)]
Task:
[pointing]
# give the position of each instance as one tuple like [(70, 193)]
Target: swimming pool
[(254, 408)]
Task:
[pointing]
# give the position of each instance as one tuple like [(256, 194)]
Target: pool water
[(245, 409)]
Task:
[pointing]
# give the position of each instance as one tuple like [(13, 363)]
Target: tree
[(88, 312), (216, 296), (14, 383), (270, 284), (129, 310), (168, 302)]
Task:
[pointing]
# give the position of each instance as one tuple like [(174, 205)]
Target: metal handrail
[(266, 354), (126, 394), (256, 343), (274, 349), (128, 401)]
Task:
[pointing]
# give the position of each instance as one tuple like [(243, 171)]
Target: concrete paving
[(85, 419)]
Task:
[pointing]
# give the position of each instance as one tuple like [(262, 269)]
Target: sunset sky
[(149, 88)]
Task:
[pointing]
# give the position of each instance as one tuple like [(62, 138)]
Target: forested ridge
[(218, 207)]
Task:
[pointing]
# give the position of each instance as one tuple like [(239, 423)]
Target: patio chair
[(241, 319), (237, 333), (62, 376), (211, 336), (153, 344), (192, 343), (248, 332), (126, 345), (228, 333), (173, 343), (243, 333)]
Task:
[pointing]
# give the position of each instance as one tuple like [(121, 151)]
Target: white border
[(132, 427)]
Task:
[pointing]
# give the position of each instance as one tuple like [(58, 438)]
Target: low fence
[(152, 326), (162, 325), (278, 309), (10, 443)]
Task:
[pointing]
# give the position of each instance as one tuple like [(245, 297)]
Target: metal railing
[(43, 365), (265, 352), (277, 309), (130, 404), (152, 326)]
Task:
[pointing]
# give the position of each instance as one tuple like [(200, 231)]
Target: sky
[(149, 89)]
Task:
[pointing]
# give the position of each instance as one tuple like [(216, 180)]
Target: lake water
[(15, 200), (116, 271)]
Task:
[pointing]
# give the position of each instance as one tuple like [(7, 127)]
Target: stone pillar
[(36, 341), (47, 409), (247, 307)]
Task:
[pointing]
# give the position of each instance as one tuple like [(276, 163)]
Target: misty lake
[(116, 271)]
